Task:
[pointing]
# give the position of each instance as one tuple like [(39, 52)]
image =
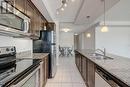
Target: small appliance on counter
[(47, 44), (17, 72)]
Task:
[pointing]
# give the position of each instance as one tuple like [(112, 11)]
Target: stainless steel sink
[(99, 56)]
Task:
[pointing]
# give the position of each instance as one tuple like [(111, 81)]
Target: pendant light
[(88, 35), (104, 27)]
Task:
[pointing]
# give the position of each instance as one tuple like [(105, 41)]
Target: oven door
[(32, 80)]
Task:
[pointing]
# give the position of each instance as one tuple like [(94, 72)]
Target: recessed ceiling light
[(62, 9), (76, 34), (88, 35), (57, 12), (66, 29), (65, 4), (73, 0)]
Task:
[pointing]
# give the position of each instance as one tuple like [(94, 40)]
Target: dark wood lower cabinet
[(91, 74), (86, 68), (44, 71), (94, 75), (78, 61)]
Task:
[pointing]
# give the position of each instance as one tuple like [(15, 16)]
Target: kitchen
[(31, 37)]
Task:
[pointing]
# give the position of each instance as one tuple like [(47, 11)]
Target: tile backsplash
[(21, 44)]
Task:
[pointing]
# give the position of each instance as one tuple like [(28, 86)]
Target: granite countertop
[(18, 69), (118, 66), (30, 55), (40, 55)]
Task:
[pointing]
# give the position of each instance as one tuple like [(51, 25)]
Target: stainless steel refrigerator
[(47, 44)]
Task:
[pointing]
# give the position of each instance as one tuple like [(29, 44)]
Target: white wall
[(20, 43), (89, 43), (81, 41), (119, 12), (85, 42), (116, 41), (66, 39)]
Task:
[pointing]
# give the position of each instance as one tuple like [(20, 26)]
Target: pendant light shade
[(88, 35), (104, 27)]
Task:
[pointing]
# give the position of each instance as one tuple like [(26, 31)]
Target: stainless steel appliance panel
[(13, 18)]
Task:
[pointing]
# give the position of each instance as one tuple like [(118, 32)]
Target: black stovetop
[(17, 69)]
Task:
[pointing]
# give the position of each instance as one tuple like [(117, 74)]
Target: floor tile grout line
[(66, 71)]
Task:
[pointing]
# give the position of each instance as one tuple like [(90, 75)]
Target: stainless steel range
[(7, 57), (14, 72)]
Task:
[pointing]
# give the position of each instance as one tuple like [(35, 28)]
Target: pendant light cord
[(104, 12), (88, 17)]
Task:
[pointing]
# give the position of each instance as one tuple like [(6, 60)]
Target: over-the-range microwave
[(12, 18)]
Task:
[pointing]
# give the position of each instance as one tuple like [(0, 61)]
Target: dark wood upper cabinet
[(12, 2), (37, 20), (20, 4), (30, 12)]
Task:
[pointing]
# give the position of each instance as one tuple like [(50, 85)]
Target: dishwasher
[(104, 80)]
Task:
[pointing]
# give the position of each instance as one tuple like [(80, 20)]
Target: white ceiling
[(94, 9), (70, 12), (75, 13), (41, 7), (73, 28)]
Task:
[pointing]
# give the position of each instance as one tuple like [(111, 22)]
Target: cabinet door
[(12, 2), (30, 12), (43, 73), (78, 61), (91, 74), (20, 5), (76, 58), (84, 69), (37, 22), (46, 68)]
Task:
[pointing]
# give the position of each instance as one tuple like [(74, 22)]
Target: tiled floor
[(67, 74)]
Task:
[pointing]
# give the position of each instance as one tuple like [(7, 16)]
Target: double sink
[(99, 56)]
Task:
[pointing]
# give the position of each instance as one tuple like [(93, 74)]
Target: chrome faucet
[(103, 51)]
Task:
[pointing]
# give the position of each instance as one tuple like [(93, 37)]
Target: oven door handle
[(19, 84)]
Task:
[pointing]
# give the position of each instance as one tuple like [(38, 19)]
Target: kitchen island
[(114, 69)]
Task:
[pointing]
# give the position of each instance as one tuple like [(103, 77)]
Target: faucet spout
[(103, 51)]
